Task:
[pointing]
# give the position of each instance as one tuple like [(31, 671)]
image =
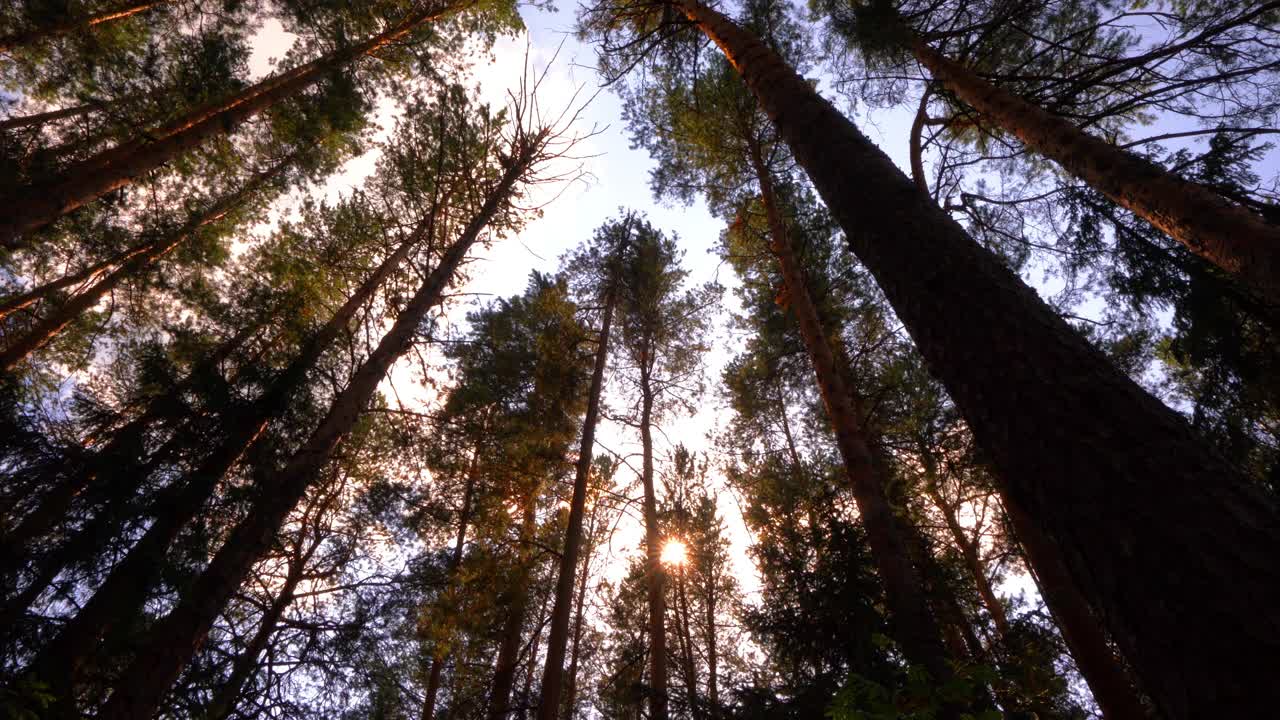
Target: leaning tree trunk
[(76, 24), (571, 691), (1098, 664), (175, 638), (26, 299), (126, 588), (1118, 483), (127, 445), (246, 663), (136, 261), (1222, 232), (558, 638), (92, 178), (40, 119), (655, 576), (914, 625)]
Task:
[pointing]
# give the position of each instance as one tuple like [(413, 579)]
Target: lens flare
[(674, 552)]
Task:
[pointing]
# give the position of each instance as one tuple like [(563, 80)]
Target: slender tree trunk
[(553, 672), (969, 550), (139, 259), (686, 648), (915, 626), (94, 177), (1218, 230), (571, 692), (504, 673), (246, 663), (1084, 635), (75, 24), (34, 295), (38, 119), (655, 575), (713, 651), (126, 588), (126, 446), (175, 638), (451, 573), (1119, 484)]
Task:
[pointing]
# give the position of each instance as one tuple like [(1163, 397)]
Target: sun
[(674, 552)]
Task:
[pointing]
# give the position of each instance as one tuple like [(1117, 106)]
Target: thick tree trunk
[(75, 24), (126, 588), (111, 169), (915, 627), (1085, 638), (1117, 482), (655, 575), (175, 638), (504, 672), (557, 640), (1222, 232), (451, 573)]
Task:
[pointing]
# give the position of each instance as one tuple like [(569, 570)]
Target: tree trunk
[(504, 673), (655, 575), (111, 169), (969, 550), (1117, 482), (126, 588), (126, 446), (713, 670), (451, 573), (34, 295), (70, 25), (39, 119), (689, 669), (1222, 232), (1085, 638), (557, 639), (246, 663), (175, 638), (571, 692), (915, 627), (139, 259)]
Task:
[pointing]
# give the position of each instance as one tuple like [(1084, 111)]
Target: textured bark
[(1118, 483), (504, 673), (125, 589), (1222, 232), (655, 575), (76, 24), (914, 625), (451, 573), (557, 640), (92, 178), (176, 638), (1110, 684)]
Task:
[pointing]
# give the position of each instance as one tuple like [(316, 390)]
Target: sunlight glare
[(674, 552)]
